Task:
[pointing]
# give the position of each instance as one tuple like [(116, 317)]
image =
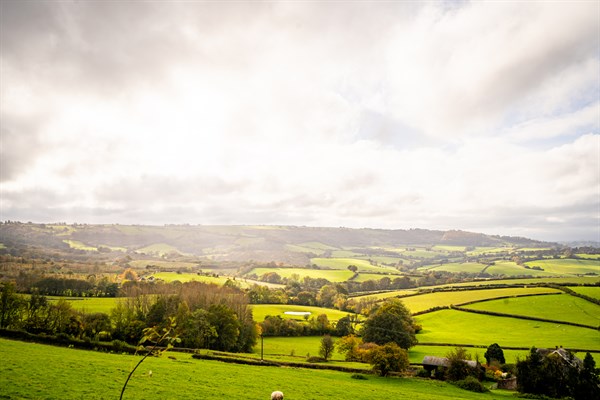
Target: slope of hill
[(287, 244)]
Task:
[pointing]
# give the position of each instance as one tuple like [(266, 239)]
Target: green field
[(561, 307), (510, 268), (470, 267), (589, 291), (90, 304), (188, 277), (425, 301), (260, 311), (331, 275), (456, 327), (343, 263), (75, 244), (27, 372), (567, 266)]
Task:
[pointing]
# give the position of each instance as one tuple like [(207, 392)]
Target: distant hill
[(287, 244)]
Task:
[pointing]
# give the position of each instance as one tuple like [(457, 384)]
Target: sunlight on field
[(260, 311), (567, 266), (561, 307), (456, 327)]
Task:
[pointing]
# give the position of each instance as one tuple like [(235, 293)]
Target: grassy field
[(260, 311), (510, 268), (470, 267), (90, 304), (26, 373), (74, 244), (188, 277), (590, 291), (567, 266), (456, 327), (329, 274), (425, 301), (343, 263), (561, 307)]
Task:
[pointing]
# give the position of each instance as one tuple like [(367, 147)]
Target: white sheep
[(277, 395)]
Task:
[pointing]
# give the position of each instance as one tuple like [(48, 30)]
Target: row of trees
[(206, 316), (558, 374)]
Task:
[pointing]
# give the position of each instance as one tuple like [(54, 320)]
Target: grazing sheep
[(277, 395), (150, 374)]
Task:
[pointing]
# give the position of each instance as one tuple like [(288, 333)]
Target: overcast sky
[(480, 116)]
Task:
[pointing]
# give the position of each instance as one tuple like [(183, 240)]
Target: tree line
[(206, 316)]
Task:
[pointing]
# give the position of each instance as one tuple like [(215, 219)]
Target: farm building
[(567, 357)]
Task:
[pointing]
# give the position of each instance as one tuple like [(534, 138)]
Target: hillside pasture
[(90, 304), (510, 268), (469, 267), (189, 277), (27, 373), (457, 327), (343, 263), (329, 274), (77, 245), (567, 266), (260, 311), (426, 301), (561, 307), (590, 291)]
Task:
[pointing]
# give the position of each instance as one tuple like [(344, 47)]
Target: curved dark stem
[(137, 365)]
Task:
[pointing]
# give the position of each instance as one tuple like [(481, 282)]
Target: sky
[(480, 116)]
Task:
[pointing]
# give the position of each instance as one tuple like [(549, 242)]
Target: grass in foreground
[(33, 371)]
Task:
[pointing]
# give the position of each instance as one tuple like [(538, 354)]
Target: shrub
[(388, 358), (471, 384), (423, 373), (359, 377)]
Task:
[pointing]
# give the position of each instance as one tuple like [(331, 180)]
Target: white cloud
[(367, 114)]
